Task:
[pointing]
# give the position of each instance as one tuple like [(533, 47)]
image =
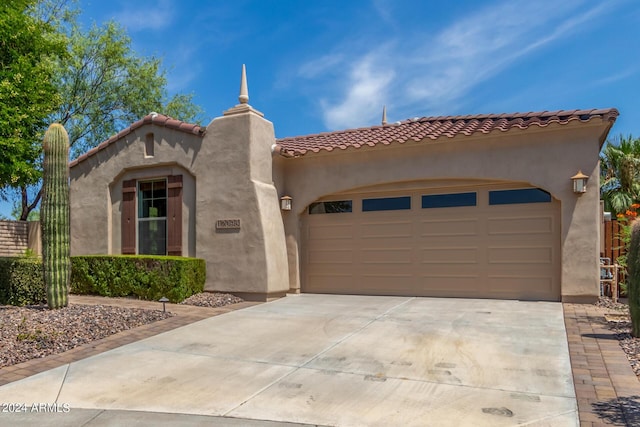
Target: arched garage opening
[(455, 238)]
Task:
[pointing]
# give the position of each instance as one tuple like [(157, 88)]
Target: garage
[(485, 241)]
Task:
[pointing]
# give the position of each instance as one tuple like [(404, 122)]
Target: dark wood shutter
[(128, 224), (174, 215)]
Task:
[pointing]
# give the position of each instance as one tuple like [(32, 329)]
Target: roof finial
[(384, 115), (244, 92), (244, 106)]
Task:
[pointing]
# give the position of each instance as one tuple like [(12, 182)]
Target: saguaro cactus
[(54, 216), (633, 265)]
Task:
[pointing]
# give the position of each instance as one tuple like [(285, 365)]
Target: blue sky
[(321, 65)]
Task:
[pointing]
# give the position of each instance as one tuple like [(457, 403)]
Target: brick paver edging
[(607, 390)]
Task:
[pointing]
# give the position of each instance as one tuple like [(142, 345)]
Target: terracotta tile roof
[(433, 128), (153, 118)]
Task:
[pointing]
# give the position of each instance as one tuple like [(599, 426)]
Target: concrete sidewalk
[(327, 360)]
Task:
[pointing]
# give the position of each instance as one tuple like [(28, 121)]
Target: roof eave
[(152, 119)]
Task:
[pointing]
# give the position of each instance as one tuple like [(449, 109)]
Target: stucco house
[(476, 206)]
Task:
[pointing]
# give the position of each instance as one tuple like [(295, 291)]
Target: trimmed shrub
[(21, 281), (146, 277)]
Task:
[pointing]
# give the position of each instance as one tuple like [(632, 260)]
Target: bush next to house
[(633, 290), (21, 281), (146, 277)]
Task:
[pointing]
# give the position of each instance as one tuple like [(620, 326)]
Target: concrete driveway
[(326, 360)]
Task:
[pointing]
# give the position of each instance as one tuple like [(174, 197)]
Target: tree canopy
[(105, 87), (90, 81), (28, 52), (620, 173)]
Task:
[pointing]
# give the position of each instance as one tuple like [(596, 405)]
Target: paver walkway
[(607, 390)]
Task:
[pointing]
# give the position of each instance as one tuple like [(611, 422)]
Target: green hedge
[(146, 277), (21, 281)]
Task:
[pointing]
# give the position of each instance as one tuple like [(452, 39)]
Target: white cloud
[(432, 71), (183, 68), (384, 9), (144, 15), (479, 47), (621, 75), (364, 95), (319, 66)]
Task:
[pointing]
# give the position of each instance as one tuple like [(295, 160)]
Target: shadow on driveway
[(622, 411)]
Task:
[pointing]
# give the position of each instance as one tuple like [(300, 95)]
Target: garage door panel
[(370, 230), (330, 283), (381, 243), (519, 284), (522, 271), (448, 227), (386, 271), (520, 255), (331, 231), (448, 285), (336, 272), (330, 257), (388, 284), (518, 226), (448, 270), (447, 242), (449, 255), (387, 256)]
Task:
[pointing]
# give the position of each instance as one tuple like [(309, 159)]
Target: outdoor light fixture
[(164, 300), (285, 203), (579, 182)]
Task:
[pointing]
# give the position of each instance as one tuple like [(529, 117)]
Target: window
[(337, 206), (386, 204), (525, 195), (152, 217), (148, 145), (142, 211), (449, 200)]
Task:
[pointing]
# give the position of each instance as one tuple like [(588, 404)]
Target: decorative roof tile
[(432, 128), (153, 118)]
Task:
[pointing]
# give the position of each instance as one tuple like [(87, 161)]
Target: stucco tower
[(238, 221)]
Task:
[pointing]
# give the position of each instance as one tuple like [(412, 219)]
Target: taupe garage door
[(478, 243)]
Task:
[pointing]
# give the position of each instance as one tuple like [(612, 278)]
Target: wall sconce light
[(579, 182), (285, 203)]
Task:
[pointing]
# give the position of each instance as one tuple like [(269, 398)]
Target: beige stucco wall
[(235, 182), (227, 174), (96, 187), (542, 157)]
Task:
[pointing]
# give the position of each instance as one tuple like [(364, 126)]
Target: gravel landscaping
[(35, 331), (621, 326)]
